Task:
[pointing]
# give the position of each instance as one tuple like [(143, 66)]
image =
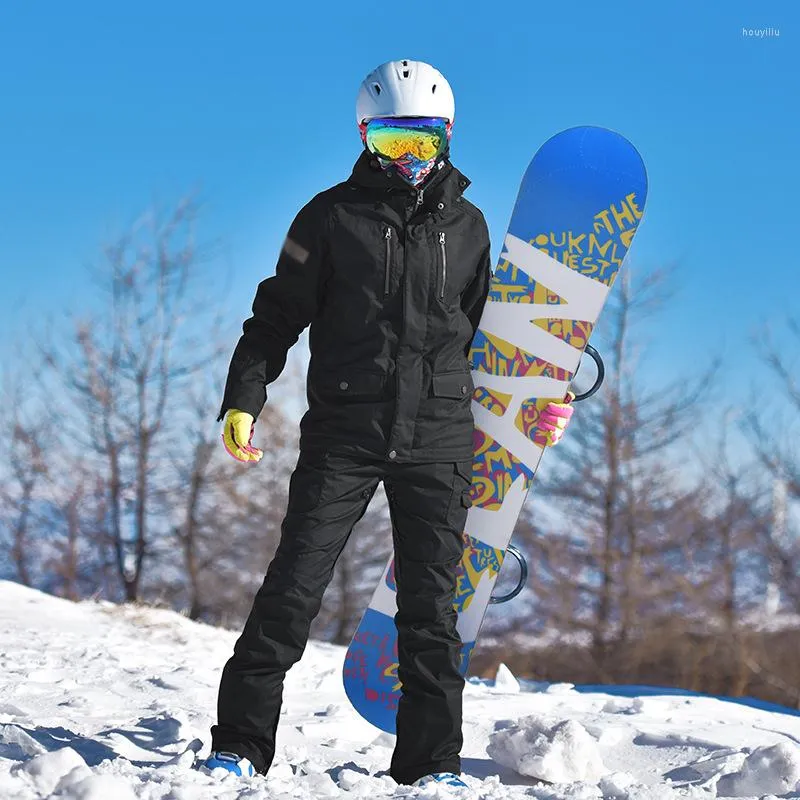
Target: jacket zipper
[(442, 241), (388, 263)]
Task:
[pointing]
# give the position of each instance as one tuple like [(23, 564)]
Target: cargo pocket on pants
[(306, 481), (461, 499)]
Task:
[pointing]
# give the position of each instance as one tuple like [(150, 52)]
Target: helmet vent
[(377, 88), (405, 73), (433, 89)]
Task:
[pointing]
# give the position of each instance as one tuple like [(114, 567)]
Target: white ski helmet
[(405, 89)]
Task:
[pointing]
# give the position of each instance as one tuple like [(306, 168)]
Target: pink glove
[(553, 422)]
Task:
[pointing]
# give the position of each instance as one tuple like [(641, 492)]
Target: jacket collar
[(443, 186)]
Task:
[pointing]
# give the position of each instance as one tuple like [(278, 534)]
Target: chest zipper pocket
[(387, 269), (443, 255)]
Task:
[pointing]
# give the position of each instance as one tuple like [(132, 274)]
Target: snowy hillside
[(99, 702)]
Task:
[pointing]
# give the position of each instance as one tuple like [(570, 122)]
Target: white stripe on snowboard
[(583, 296)]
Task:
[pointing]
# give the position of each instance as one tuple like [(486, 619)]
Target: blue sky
[(106, 106)]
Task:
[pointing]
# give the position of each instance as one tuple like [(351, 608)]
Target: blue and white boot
[(219, 759), (441, 779)]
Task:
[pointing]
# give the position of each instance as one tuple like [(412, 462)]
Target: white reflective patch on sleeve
[(295, 250)]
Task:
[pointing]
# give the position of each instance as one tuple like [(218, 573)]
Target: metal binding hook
[(601, 373), (523, 577)]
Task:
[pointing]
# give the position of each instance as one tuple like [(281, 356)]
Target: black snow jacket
[(392, 281)]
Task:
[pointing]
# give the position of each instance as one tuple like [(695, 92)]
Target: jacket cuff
[(253, 407)]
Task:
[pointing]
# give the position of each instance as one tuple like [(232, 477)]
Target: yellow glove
[(237, 435)]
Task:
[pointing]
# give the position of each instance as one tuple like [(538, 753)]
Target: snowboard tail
[(576, 214)]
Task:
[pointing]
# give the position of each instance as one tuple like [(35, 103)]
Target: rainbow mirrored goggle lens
[(392, 137)]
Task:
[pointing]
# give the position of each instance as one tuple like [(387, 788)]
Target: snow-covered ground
[(99, 702)]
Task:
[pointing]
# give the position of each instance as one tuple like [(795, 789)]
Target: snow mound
[(60, 768), (773, 769), (563, 753), (505, 682)]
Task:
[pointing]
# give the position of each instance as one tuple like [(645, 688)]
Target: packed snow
[(100, 702)]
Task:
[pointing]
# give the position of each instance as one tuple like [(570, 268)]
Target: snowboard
[(578, 208)]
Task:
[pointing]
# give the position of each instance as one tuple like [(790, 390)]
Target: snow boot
[(219, 759), (441, 779)]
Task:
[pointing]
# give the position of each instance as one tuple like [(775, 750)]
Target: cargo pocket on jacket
[(352, 386), (455, 385)]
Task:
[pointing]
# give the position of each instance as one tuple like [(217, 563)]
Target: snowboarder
[(391, 270)]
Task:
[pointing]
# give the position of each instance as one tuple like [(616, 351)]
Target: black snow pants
[(328, 494)]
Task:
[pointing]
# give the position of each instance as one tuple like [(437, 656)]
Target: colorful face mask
[(409, 144)]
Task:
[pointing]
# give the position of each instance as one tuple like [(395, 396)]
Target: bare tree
[(230, 517), (28, 431), (774, 437), (125, 374)]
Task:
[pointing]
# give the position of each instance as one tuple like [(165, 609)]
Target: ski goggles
[(393, 137)]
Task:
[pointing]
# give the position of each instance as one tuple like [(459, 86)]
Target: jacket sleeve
[(474, 297), (283, 307)]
